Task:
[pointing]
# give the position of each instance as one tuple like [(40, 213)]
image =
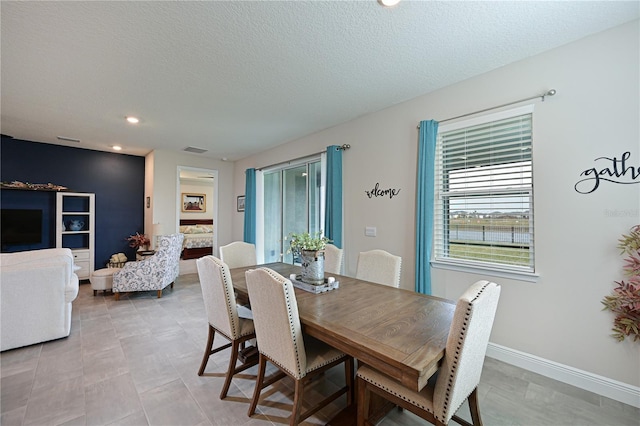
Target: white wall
[(162, 181), (595, 113)]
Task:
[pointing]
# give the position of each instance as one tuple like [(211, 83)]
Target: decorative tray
[(312, 288)]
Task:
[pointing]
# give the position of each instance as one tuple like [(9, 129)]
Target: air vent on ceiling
[(195, 150), (66, 139)]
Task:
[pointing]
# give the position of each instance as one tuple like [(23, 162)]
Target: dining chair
[(459, 374), (222, 314), (282, 343), (332, 259), (378, 266), (238, 254)]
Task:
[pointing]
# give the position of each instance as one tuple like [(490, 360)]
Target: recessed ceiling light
[(388, 3), (117, 148), (133, 120)]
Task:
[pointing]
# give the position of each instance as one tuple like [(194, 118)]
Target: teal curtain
[(250, 206), (424, 204), (333, 199)]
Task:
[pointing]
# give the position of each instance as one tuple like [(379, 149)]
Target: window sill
[(480, 270)]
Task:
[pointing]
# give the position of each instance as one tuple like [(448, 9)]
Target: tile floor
[(134, 362)]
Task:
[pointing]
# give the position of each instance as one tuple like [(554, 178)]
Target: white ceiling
[(237, 78)]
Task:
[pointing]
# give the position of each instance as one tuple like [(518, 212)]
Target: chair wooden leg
[(297, 403), (475, 408), (95, 293), (159, 294), (172, 285), (349, 381), (117, 296), (233, 360), (262, 364), (207, 351), (363, 402)]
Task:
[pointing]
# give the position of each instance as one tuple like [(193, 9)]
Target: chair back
[(238, 254), (332, 259), (466, 347), (378, 266), (218, 295), (168, 251), (275, 317)]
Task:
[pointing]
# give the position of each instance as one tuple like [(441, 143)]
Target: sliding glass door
[(292, 203)]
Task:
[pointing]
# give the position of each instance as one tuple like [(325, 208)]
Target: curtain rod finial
[(549, 92), (344, 147)]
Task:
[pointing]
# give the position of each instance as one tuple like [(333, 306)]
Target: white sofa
[(36, 291)]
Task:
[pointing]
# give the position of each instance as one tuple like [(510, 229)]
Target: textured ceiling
[(239, 77)]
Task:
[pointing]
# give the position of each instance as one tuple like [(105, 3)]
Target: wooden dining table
[(398, 332)]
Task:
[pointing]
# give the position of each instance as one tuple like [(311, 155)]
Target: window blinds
[(484, 194)]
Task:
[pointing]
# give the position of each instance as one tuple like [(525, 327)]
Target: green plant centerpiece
[(624, 301), (310, 249)]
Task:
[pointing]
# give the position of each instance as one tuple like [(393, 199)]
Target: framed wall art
[(240, 203), (194, 203)]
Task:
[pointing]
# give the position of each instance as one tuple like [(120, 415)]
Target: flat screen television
[(21, 226)]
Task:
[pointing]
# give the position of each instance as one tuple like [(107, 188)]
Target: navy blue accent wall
[(116, 179)]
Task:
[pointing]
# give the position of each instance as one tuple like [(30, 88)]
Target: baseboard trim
[(600, 385)]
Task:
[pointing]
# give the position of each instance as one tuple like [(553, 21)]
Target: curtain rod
[(549, 92), (343, 147)]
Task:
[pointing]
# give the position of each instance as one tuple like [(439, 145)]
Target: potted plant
[(139, 241), (310, 249), (624, 301)]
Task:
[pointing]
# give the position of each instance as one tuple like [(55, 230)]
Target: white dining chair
[(238, 254), (379, 266), (459, 374), (282, 343), (332, 259), (222, 314)]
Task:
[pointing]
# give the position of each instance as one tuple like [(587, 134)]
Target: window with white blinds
[(484, 192)]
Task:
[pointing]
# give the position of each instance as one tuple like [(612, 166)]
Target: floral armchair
[(153, 273)]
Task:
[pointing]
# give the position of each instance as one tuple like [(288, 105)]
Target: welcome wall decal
[(612, 170), (377, 192)]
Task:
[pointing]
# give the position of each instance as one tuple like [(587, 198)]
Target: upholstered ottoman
[(102, 279)]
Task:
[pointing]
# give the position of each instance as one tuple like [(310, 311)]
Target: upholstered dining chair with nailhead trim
[(379, 266), (332, 259), (222, 315), (281, 342), (457, 378), (238, 254)]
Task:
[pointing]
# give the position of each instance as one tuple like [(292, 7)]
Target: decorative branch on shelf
[(32, 186)]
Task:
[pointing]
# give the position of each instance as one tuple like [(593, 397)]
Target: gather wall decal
[(376, 191), (614, 170)]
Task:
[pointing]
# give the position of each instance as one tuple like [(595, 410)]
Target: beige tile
[(103, 365), (144, 348), (19, 360), (111, 400), (57, 403), (172, 404), (152, 371), (15, 390), (135, 419), (13, 417), (53, 368)]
